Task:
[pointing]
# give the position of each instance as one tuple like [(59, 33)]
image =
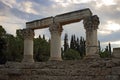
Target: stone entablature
[(72, 17), (39, 24), (63, 19)]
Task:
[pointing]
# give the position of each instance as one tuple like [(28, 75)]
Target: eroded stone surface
[(87, 69)]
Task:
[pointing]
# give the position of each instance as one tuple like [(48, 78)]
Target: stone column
[(55, 48), (91, 26), (28, 45)]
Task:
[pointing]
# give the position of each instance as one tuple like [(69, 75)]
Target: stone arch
[(55, 24)]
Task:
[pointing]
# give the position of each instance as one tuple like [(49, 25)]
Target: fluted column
[(55, 48), (91, 26), (28, 35)]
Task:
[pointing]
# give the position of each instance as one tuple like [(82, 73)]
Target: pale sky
[(15, 13)]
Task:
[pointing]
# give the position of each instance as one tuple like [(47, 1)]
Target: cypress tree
[(99, 46), (81, 47), (77, 45), (72, 42), (39, 36), (44, 37), (84, 47), (106, 49), (66, 45), (109, 48)]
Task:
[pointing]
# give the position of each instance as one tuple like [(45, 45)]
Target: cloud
[(27, 6), (47, 3), (15, 13), (110, 37), (114, 44), (9, 3)]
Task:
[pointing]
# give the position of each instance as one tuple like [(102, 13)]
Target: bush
[(104, 54), (71, 54)]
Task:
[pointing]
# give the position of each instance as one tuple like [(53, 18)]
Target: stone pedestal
[(55, 48), (91, 26), (28, 45)]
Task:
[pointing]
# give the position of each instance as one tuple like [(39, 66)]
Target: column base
[(28, 58), (55, 59)]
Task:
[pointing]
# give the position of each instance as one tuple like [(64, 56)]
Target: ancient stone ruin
[(90, 68), (55, 25)]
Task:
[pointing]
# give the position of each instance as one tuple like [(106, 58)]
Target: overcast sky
[(15, 13)]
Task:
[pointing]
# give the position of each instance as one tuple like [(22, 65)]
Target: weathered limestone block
[(72, 17), (14, 72), (115, 62), (39, 24), (116, 52), (116, 70), (112, 77)]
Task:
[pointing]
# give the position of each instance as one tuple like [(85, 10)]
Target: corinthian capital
[(91, 23), (28, 33), (55, 27)]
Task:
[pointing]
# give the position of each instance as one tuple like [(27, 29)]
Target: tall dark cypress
[(66, 45), (39, 36), (106, 49), (72, 42), (81, 47), (109, 48), (84, 47), (77, 45), (44, 37), (99, 46)]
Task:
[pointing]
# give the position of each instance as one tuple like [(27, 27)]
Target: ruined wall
[(116, 52), (87, 69)]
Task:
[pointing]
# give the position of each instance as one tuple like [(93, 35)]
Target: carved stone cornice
[(91, 23), (28, 33), (55, 27)]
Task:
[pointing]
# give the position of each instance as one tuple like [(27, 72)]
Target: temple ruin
[(55, 25)]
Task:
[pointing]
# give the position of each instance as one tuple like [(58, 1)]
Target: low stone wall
[(87, 69)]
